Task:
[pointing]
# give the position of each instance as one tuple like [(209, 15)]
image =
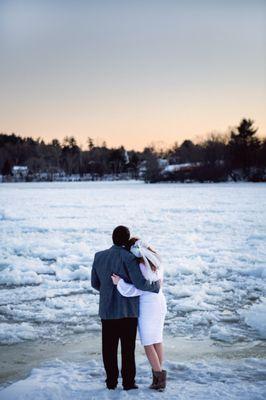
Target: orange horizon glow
[(163, 130)]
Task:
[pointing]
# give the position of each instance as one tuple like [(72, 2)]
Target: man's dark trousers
[(125, 330)]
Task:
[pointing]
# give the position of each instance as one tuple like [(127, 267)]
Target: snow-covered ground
[(201, 381), (211, 237)]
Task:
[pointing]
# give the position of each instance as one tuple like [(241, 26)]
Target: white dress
[(152, 308)]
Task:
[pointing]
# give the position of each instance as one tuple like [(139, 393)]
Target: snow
[(59, 380), (225, 334), (15, 333), (211, 238), (255, 316), (212, 242), (17, 277)]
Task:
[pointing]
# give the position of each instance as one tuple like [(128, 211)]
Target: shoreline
[(18, 360), (135, 181)]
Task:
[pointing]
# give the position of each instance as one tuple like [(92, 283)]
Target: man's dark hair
[(121, 235)]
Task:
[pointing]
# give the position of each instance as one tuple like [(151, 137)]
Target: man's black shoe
[(111, 387), (130, 387)]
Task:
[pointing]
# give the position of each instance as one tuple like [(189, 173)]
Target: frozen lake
[(211, 237)]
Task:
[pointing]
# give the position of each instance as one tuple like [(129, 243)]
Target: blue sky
[(131, 72)]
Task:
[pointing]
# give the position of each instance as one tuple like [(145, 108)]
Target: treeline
[(67, 157), (239, 155)]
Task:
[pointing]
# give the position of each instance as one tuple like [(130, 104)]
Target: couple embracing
[(129, 278)]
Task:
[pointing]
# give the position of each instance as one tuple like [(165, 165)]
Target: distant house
[(20, 172), (185, 167), (163, 163)]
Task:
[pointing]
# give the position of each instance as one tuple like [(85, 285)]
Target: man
[(119, 315)]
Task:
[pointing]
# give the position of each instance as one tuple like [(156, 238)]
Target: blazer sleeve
[(95, 281), (127, 289), (137, 278)]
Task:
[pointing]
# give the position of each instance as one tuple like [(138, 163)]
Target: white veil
[(141, 250)]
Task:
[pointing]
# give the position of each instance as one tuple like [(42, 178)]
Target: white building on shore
[(20, 172)]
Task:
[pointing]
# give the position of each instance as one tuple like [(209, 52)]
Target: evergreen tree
[(90, 143), (244, 145)]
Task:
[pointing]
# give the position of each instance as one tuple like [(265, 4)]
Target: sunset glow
[(131, 73)]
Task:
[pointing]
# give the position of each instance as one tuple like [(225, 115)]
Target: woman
[(152, 308)]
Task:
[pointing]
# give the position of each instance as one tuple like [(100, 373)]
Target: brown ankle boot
[(160, 383), (154, 380)]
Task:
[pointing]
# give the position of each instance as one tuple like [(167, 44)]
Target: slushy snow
[(212, 242), (211, 239), (59, 380), (255, 317)]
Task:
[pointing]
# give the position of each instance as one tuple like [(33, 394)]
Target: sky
[(132, 72)]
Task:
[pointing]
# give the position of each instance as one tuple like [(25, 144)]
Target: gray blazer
[(123, 263)]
